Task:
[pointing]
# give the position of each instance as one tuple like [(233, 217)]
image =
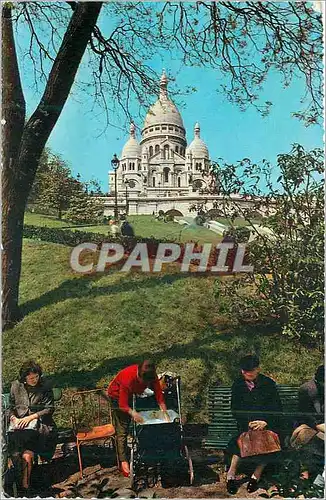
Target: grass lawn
[(83, 329), (44, 220), (144, 226)]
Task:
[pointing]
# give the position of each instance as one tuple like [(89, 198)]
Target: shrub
[(288, 277), (237, 234)]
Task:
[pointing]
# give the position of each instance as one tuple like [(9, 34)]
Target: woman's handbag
[(253, 443)]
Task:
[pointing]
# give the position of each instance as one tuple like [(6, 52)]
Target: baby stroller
[(158, 451)]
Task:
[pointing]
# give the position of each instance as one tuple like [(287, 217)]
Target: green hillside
[(82, 329), (145, 226)]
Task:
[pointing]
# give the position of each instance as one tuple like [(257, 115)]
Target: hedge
[(73, 238)]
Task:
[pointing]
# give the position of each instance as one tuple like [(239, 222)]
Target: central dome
[(164, 110)]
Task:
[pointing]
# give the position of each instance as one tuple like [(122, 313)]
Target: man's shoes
[(252, 485), (231, 486)]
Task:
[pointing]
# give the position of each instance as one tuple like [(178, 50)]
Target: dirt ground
[(210, 479)]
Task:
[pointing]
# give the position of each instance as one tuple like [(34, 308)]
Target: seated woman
[(32, 429), (255, 405), (309, 435)]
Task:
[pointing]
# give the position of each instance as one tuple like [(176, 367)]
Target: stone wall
[(148, 205)]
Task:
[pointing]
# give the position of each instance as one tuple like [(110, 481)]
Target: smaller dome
[(132, 148), (197, 147)]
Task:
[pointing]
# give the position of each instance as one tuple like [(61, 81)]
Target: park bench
[(222, 426)]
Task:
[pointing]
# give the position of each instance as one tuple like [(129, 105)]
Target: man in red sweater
[(131, 380)]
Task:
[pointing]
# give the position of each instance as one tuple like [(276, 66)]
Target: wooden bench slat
[(222, 424)]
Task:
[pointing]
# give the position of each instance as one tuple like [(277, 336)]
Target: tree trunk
[(13, 106), (23, 145)]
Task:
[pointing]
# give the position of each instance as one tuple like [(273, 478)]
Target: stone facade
[(148, 205), (163, 172)]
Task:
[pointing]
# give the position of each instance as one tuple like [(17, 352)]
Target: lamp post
[(127, 205), (115, 165)]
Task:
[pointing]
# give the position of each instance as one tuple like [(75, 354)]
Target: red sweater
[(126, 383)]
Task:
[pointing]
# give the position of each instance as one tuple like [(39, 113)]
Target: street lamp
[(115, 165), (127, 206)]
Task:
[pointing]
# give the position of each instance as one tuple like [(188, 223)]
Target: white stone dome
[(197, 147), (164, 110), (132, 147)]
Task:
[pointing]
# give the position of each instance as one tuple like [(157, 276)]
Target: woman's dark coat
[(261, 403)]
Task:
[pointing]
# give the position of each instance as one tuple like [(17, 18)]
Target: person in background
[(309, 435), (127, 229), (256, 405), (114, 228), (131, 380), (32, 427)]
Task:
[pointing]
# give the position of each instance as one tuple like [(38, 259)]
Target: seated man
[(308, 437), (255, 405), (127, 229)]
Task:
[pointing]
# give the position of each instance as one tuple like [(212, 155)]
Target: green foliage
[(84, 209), (73, 238), (237, 234), (54, 185), (55, 190), (288, 263), (200, 220), (290, 485)]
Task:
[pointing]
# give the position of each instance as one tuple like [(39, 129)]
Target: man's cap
[(249, 362)]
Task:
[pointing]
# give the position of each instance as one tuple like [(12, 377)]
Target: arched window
[(153, 182), (150, 150), (139, 167), (177, 149), (157, 148), (179, 182), (166, 174)]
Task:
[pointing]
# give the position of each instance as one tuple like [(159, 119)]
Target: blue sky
[(228, 132)]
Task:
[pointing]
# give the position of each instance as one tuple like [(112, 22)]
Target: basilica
[(162, 164)]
